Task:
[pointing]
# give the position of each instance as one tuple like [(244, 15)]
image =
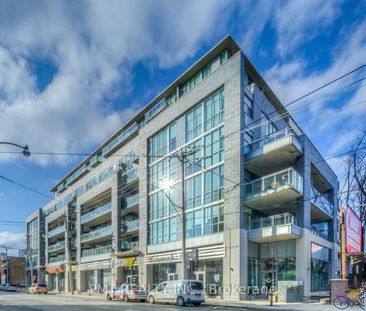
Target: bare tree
[(353, 191)]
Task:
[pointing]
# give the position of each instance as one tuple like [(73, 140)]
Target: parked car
[(179, 292), (127, 293), (10, 288), (37, 288), (2, 286)]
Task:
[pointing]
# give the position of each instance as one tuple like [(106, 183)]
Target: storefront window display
[(320, 268), (271, 262)]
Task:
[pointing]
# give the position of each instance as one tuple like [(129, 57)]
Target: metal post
[(184, 269), (68, 241), (343, 244)]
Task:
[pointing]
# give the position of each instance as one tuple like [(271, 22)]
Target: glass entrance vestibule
[(269, 263)]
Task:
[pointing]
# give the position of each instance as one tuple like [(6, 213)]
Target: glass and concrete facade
[(260, 200)]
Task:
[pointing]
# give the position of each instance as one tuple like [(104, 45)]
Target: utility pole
[(182, 157), (342, 222), (68, 244)]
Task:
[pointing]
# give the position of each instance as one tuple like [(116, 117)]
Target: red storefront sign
[(353, 232)]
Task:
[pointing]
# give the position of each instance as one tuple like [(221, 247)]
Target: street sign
[(353, 232)]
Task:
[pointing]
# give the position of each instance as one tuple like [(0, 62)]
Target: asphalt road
[(24, 302)]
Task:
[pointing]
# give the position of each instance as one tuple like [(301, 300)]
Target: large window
[(204, 170), (214, 184), (214, 147), (214, 110), (269, 263), (320, 267), (194, 123)]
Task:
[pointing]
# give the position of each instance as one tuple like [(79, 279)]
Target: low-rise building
[(12, 270)]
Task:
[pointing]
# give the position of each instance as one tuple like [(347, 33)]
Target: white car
[(10, 288), (179, 292)]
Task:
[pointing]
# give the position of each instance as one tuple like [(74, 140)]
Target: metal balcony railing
[(56, 259), (105, 249), (56, 231), (96, 213), (320, 201), (56, 246), (272, 221), (131, 201), (259, 143), (98, 233), (127, 245), (288, 178), (130, 226)]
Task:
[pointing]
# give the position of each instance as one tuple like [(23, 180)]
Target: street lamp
[(25, 148)]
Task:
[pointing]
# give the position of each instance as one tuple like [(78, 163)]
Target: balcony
[(321, 209), (97, 234), (56, 232), (130, 226), (129, 246), (105, 249), (322, 234), (275, 189), (57, 259), (129, 177), (131, 201), (274, 228), (97, 213), (279, 149), (56, 247)]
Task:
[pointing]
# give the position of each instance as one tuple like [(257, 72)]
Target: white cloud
[(94, 46), (331, 127), (300, 21), (14, 240)]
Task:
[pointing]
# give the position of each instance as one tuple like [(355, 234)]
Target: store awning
[(55, 269)]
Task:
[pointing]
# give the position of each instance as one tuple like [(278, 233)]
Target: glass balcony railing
[(56, 231), (272, 221), (259, 143), (129, 176), (98, 233), (96, 213), (320, 201), (127, 245), (60, 258), (57, 246), (105, 249), (131, 201), (278, 181), (130, 226), (322, 234)]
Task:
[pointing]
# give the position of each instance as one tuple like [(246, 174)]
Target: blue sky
[(71, 74)]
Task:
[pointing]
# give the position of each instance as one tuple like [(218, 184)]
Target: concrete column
[(303, 261), (303, 213), (79, 275), (116, 214), (235, 263), (144, 278)]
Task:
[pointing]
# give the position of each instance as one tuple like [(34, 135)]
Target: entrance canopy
[(55, 269)]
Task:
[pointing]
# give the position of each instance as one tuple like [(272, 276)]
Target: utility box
[(290, 291)]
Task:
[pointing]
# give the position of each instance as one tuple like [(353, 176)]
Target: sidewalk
[(313, 305)]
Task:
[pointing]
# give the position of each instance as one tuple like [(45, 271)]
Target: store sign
[(128, 261), (162, 258), (353, 232)]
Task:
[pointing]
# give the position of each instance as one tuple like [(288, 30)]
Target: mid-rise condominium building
[(260, 200)]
